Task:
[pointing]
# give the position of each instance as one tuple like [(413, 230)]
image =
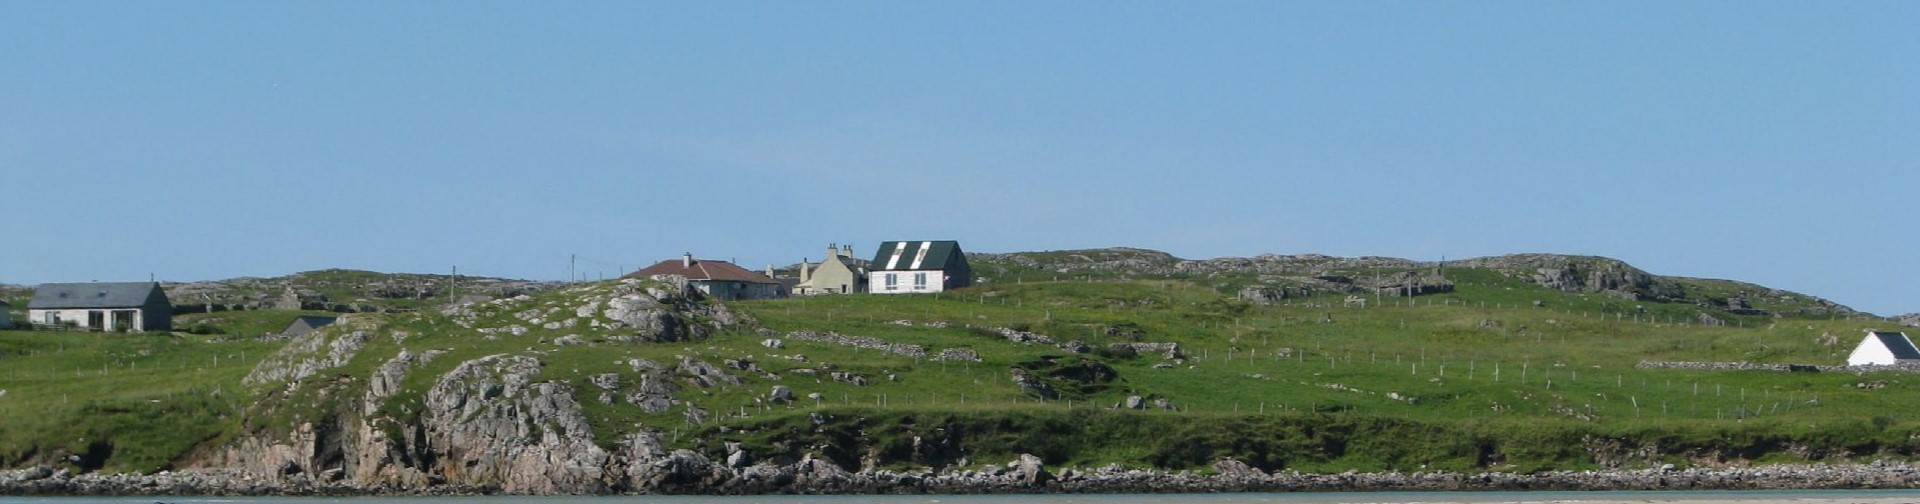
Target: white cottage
[(1882, 348), (917, 267), (102, 306)]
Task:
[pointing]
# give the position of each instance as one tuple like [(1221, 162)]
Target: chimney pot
[(686, 260)]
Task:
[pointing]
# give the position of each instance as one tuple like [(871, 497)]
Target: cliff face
[(494, 421)]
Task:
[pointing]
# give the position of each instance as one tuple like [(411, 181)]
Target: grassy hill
[(1514, 367)]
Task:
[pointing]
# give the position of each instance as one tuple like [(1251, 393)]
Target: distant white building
[(1881, 348)]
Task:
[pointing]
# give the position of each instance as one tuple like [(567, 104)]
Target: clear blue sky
[(1772, 142)]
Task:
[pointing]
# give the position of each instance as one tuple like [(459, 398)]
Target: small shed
[(1884, 348), (307, 324)]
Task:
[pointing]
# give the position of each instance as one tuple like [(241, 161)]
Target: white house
[(102, 306), (1882, 348), (915, 267)]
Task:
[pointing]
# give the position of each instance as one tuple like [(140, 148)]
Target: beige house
[(839, 273)]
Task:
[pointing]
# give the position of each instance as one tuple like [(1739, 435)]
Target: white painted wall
[(1870, 353), (877, 281), (79, 318)]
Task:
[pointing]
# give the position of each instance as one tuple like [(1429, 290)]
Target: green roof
[(940, 253)]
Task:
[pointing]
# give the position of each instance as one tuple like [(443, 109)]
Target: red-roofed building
[(720, 280)]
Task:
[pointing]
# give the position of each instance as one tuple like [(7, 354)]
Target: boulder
[(1029, 471)]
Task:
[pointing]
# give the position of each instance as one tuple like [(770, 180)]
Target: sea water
[(1225, 498)]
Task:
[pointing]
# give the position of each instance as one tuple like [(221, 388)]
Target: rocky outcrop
[(352, 291), (491, 423), (1910, 320), (1589, 274), (876, 344), (309, 354)]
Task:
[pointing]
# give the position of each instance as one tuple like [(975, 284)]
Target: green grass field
[(1475, 379)]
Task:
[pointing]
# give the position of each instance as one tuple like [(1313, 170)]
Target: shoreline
[(1228, 477)]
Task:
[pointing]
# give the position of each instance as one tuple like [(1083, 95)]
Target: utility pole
[(453, 285), (570, 260)]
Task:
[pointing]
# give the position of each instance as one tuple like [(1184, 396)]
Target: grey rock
[(1029, 471)]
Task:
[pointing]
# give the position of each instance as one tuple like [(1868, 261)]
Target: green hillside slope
[(1086, 358)]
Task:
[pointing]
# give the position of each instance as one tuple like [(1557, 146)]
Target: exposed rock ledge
[(695, 475)]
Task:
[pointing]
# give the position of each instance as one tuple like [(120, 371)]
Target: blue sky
[(1772, 142)]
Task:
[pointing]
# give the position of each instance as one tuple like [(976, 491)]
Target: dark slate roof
[(56, 296), (703, 269), (1898, 343), (939, 253), (312, 321)]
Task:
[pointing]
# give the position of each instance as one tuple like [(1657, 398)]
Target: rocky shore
[(1025, 475)]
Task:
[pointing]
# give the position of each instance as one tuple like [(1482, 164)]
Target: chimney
[(849, 250), (769, 270), (805, 275), (833, 250), (686, 260)]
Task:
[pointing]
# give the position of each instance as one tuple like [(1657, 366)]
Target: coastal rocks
[(492, 424), (643, 467), (1029, 471)]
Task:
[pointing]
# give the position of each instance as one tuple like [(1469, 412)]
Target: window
[(893, 281), (919, 281)]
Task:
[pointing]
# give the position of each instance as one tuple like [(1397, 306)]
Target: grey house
[(98, 306)]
